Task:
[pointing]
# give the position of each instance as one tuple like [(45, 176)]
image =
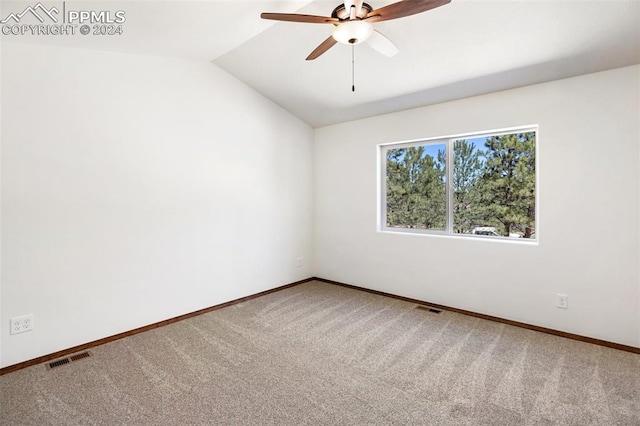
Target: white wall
[(1, 318), (588, 212), (136, 189)]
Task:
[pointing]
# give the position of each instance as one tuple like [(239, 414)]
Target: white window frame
[(448, 142)]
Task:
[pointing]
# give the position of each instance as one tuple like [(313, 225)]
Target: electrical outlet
[(562, 301), (21, 324), (300, 262)]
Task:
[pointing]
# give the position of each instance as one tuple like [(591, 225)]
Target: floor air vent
[(429, 309), (79, 356), (59, 362)]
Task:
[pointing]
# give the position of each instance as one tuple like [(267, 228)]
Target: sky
[(432, 150)]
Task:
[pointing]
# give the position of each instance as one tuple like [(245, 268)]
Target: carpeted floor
[(326, 355)]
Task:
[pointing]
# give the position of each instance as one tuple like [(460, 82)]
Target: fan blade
[(382, 44), (294, 17), (324, 46), (404, 8)]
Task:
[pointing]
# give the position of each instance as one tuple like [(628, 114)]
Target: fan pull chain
[(353, 65)]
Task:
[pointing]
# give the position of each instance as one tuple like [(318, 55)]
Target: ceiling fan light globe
[(352, 32)]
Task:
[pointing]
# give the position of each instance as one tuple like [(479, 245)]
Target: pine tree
[(507, 185), (467, 170), (415, 189)]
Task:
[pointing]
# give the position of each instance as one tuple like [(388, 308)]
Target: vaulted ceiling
[(465, 48)]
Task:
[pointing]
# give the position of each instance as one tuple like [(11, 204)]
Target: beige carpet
[(320, 354)]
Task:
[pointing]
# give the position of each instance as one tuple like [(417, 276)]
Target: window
[(482, 184)]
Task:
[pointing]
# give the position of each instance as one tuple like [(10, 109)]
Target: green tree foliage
[(507, 185), (415, 189), (467, 171), (492, 188)]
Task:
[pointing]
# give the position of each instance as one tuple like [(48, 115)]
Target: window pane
[(415, 187), (494, 185)]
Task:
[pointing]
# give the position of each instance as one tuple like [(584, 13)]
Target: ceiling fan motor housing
[(352, 31), (343, 14)]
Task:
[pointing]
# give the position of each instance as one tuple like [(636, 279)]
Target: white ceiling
[(465, 48)]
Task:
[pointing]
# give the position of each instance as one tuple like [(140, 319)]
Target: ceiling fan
[(353, 23)]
